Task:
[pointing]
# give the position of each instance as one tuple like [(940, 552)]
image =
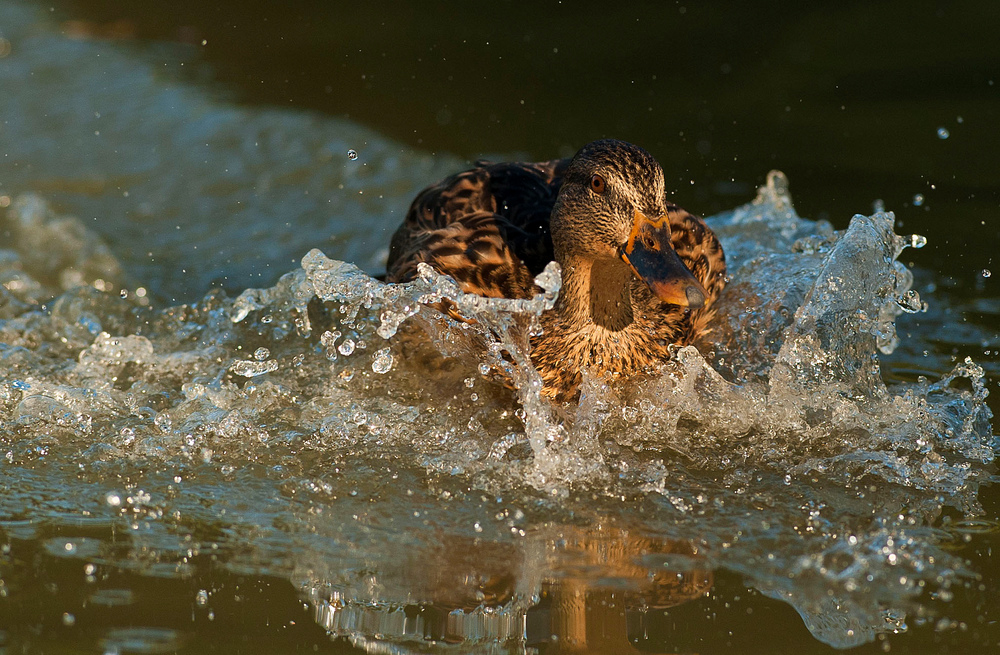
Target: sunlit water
[(339, 433)]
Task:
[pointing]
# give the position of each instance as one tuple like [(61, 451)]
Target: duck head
[(611, 208)]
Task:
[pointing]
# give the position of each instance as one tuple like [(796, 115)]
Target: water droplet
[(484, 369), (943, 133), (352, 154), (470, 382), (382, 362), (162, 421), (68, 619), (347, 347), (261, 354), (918, 241), (347, 375), (987, 272), (201, 598), (113, 499), (918, 200), (248, 368)]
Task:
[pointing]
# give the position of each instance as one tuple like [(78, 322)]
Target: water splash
[(332, 366)]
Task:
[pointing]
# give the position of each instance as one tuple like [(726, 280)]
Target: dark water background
[(848, 99)]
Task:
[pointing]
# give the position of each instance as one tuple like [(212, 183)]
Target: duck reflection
[(558, 591)]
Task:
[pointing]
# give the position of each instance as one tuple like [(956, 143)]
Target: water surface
[(217, 438)]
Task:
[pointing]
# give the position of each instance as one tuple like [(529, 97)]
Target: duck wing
[(488, 228), (698, 247)]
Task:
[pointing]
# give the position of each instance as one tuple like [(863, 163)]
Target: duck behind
[(639, 273)]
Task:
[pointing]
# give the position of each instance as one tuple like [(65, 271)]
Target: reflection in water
[(563, 591)]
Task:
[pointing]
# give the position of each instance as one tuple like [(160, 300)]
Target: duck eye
[(597, 184)]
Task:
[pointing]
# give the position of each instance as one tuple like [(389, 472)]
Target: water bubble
[(987, 272), (910, 302), (917, 241), (484, 369), (347, 375), (470, 382), (261, 354), (382, 362), (918, 200), (943, 133), (352, 154), (127, 436), (162, 421), (248, 368), (347, 347)]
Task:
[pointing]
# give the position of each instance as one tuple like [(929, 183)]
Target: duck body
[(639, 273)]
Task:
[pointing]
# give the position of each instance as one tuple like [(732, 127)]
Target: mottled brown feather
[(488, 228)]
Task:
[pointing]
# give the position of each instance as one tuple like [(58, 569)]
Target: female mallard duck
[(639, 273)]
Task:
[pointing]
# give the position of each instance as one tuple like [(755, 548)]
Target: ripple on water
[(141, 640)]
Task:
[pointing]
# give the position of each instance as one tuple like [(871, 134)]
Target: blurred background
[(855, 101)]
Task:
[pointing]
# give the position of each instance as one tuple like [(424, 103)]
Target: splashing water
[(786, 422), (345, 436)]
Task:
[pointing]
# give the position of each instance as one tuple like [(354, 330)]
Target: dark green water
[(848, 99)]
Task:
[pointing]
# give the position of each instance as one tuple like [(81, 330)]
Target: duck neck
[(597, 290)]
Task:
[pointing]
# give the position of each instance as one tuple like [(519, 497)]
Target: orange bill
[(651, 257)]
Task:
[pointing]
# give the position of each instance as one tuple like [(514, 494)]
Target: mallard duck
[(639, 273)]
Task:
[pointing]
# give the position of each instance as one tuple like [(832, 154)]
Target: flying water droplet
[(382, 362), (987, 272), (249, 368), (918, 241), (943, 133), (347, 347), (261, 354), (352, 154), (918, 200)]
